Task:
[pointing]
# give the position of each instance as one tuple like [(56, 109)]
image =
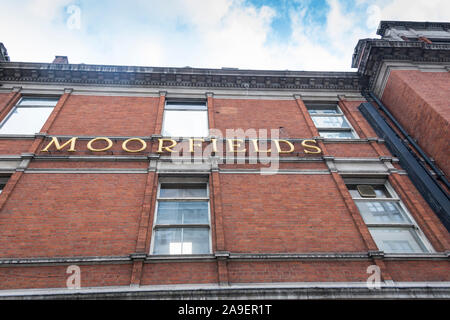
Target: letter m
[(59, 147)]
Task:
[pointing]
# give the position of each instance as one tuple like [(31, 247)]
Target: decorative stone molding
[(259, 291), (19, 72), (370, 54)]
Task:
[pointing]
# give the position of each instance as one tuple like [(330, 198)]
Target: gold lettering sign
[(142, 142), (256, 146), (192, 144), (277, 144), (214, 143), (108, 141), (167, 145), (236, 143), (58, 147), (306, 145), (167, 148)]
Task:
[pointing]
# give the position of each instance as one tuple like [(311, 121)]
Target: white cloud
[(238, 38), (373, 16), (45, 10), (415, 10), (201, 33)]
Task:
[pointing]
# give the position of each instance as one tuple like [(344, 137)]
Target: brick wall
[(56, 276), (420, 102), (309, 271), (261, 114), (106, 115), (72, 215), (179, 272), (3, 99), (301, 215), (419, 270)]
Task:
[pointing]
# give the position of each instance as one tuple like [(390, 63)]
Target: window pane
[(185, 123), (185, 191), (167, 240), (180, 212), (186, 106), (337, 134), (392, 240), (328, 110), (198, 237), (181, 241), (330, 122), (381, 212), (25, 120), (51, 102)]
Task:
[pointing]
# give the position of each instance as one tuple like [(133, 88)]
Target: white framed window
[(185, 119), (28, 115), (390, 224), (330, 121), (182, 219)]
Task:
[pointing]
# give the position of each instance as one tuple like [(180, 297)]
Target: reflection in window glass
[(177, 212), (396, 240), (330, 122), (186, 191), (390, 226), (331, 110), (381, 212), (181, 241), (336, 134), (182, 219), (28, 116), (185, 123), (25, 120), (46, 102), (185, 106)]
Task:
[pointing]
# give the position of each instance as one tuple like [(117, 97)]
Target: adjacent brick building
[(91, 186)]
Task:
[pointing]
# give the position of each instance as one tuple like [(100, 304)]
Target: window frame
[(340, 114), (180, 103), (31, 106), (182, 181), (412, 226)]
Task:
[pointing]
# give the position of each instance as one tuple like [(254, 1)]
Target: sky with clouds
[(316, 35)]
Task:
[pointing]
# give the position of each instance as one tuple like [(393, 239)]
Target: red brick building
[(353, 189)]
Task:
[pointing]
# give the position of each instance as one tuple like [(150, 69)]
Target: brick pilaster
[(311, 126), (160, 113), (13, 98), (210, 103)]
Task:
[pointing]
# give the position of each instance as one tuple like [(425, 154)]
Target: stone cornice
[(370, 53), (238, 291), (19, 72), (311, 256)]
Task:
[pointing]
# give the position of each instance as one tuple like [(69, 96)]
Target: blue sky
[(247, 34)]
